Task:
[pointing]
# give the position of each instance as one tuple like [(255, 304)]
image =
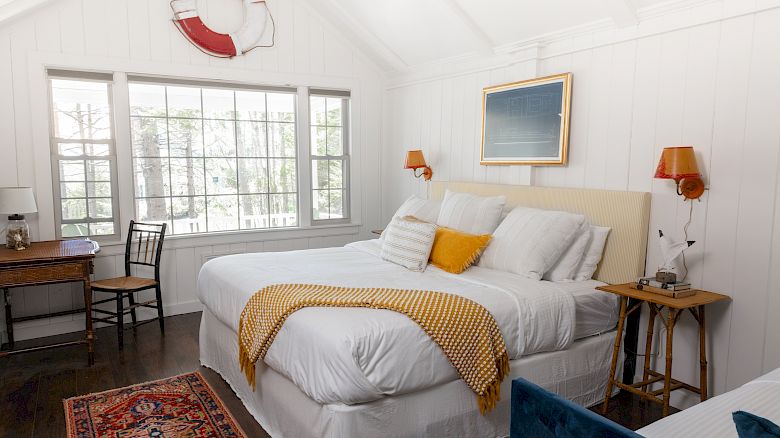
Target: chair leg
[(160, 316), (120, 326), (9, 325), (131, 300)]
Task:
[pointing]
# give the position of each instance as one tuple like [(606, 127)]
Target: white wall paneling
[(707, 79), (137, 36)]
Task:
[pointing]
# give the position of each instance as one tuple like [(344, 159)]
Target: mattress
[(713, 417), (578, 373), (356, 355)]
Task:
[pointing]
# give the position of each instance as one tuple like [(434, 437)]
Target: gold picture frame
[(527, 122)]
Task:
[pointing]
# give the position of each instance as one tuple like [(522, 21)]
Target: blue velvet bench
[(539, 413)]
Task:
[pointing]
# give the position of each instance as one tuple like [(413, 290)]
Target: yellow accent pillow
[(454, 251)]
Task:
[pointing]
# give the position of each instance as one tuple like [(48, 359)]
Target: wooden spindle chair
[(143, 248)]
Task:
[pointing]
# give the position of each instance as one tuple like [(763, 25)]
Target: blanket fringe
[(247, 366), (492, 395)]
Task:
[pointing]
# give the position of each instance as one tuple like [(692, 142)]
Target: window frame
[(56, 157), (233, 87), (345, 158), (118, 74)]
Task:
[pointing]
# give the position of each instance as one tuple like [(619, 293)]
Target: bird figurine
[(674, 262)]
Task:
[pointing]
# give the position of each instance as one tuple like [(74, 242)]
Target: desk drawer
[(41, 274)]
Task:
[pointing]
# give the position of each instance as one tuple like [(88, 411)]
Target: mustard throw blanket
[(465, 330)]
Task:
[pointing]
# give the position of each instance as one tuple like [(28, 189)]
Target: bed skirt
[(448, 410)]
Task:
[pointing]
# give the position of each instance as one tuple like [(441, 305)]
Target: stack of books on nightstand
[(674, 290)]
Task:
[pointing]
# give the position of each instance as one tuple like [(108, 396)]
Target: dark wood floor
[(33, 385), (632, 411)]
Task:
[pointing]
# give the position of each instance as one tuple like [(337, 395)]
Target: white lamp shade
[(17, 200)]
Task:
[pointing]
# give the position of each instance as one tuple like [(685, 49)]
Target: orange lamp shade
[(414, 160), (677, 163)]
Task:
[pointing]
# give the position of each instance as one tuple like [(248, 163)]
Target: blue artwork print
[(524, 124)]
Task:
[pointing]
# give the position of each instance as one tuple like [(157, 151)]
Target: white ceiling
[(403, 34), (13, 8), (408, 33), (507, 21)]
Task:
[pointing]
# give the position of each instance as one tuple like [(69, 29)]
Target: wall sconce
[(415, 160), (679, 163)]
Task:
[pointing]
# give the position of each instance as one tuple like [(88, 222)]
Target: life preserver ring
[(224, 45)]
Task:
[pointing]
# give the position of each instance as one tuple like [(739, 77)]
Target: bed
[(365, 372), (712, 418), (541, 413)]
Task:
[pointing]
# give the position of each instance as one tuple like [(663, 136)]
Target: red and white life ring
[(224, 45)]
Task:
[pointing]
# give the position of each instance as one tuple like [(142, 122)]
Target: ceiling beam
[(366, 40), (623, 12), (486, 43)]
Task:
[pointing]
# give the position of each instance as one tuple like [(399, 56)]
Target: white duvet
[(354, 355)]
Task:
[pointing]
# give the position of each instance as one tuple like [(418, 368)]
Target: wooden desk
[(57, 261), (675, 307)]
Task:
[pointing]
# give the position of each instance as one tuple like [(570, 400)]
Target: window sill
[(242, 236)]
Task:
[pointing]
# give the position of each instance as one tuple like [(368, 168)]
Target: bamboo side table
[(674, 308)]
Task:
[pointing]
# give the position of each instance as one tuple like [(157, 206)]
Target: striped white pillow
[(423, 209), (470, 213), (529, 241), (408, 242)]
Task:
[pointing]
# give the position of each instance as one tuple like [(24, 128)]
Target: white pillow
[(593, 253), (470, 213), (565, 269), (529, 241), (422, 209), (408, 242)]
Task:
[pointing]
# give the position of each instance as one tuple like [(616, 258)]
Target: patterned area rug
[(178, 406)]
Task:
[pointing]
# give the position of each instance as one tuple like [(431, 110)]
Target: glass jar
[(17, 233)]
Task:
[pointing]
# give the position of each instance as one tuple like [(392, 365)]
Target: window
[(84, 155), (210, 158), (329, 154)]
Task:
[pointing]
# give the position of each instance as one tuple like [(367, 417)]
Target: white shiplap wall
[(138, 36), (712, 84)]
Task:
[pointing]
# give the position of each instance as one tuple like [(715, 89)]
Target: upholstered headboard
[(627, 213)]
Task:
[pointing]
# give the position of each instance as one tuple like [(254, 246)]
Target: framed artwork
[(527, 122)]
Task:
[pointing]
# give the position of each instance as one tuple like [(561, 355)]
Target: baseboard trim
[(75, 323)]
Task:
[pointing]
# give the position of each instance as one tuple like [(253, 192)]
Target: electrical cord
[(685, 233)]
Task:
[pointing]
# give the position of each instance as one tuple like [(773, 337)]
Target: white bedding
[(578, 373), (352, 355), (712, 419), (597, 312)]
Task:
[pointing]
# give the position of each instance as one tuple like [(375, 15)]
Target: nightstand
[(674, 308)]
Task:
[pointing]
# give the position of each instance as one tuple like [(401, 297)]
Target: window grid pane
[(328, 118), (228, 163), (82, 141)]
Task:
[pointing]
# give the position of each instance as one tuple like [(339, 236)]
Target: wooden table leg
[(615, 354), (702, 354), (9, 324), (649, 343), (90, 333), (672, 319)]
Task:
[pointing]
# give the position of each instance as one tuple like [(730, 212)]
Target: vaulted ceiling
[(403, 34), (13, 8)]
